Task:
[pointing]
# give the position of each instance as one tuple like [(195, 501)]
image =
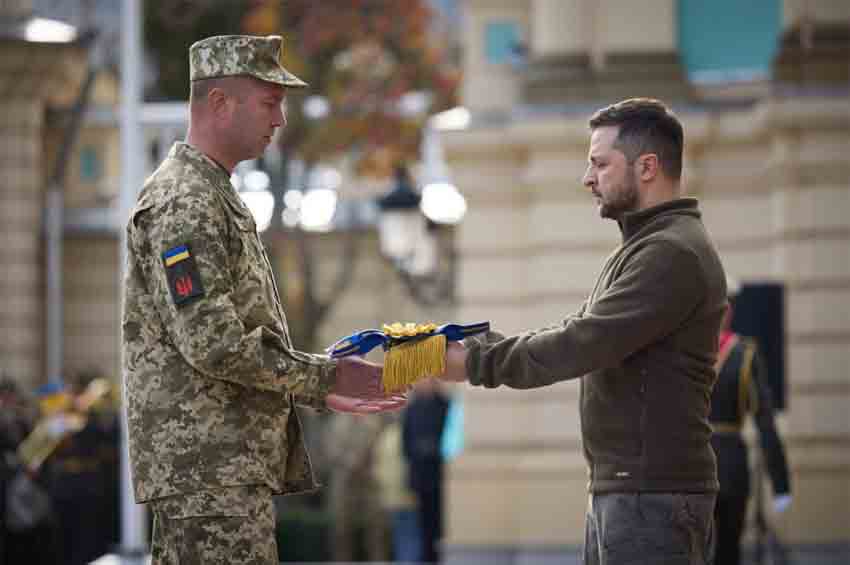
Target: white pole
[(53, 271), (133, 538)]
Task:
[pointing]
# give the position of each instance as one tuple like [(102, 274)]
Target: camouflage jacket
[(210, 372)]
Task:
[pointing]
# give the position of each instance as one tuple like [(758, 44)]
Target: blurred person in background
[(212, 377), (28, 528), (741, 390), (397, 499), (81, 475), (643, 344), (423, 423), (18, 414), (107, 417), (353, 493)]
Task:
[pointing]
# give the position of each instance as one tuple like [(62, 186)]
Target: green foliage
[(171, 26)]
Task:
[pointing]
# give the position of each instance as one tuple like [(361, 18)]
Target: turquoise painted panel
[(728, 40), (500, 41), (90, 164)]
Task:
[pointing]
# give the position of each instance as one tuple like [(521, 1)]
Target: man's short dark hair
[(646, 126)]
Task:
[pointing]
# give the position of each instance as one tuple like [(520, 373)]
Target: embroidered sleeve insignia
[(184, 280)]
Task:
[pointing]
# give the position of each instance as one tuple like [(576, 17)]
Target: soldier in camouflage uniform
[(211, 374)]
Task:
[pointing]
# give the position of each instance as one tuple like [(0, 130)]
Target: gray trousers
[(650, 529)]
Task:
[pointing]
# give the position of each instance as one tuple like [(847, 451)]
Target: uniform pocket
[(230, 525)]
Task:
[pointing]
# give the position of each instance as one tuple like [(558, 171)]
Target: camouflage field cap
[(240, 55)]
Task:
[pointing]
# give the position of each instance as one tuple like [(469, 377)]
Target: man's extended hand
[(350, 405), (455, 362), (358, 378)]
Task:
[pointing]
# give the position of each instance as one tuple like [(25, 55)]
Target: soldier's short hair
[(645, 126), (200, 89)]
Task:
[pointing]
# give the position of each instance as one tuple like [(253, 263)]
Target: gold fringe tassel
[(409, 362)]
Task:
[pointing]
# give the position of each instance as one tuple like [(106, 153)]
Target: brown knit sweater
[(644, 346)]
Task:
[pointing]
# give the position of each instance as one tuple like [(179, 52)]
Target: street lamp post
[(413, 227), (420, 249), (403, 234), (132, 515)]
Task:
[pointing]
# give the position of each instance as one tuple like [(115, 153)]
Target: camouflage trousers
[(230, 525)]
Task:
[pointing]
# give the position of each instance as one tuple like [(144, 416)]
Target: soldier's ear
[(218, 101)]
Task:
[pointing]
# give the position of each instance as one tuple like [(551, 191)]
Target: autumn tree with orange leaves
[(363, 56)]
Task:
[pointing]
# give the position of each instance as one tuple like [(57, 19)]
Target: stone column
[(583, 50), (21, 195), (558, 27), (488, 86), (814, 49), (27, 74), (796, 11)]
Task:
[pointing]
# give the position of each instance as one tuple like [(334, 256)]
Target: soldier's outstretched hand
[(358, 378)]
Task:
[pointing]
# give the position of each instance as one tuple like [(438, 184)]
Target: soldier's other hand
[(352, 405), (455, 362), (358, 378)]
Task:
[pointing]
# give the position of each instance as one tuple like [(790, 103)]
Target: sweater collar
[(632, 222)]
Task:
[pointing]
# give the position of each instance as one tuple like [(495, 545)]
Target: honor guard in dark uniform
[(740, 390)]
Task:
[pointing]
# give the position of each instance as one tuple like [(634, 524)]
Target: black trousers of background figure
[(431, 522), (729, 517)]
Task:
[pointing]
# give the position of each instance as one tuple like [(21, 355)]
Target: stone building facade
[(767, 159)]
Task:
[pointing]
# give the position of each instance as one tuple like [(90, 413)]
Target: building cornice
[(30, 70), (528, 129)]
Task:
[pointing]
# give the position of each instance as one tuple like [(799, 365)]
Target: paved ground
[(804, 555), (838, 554)]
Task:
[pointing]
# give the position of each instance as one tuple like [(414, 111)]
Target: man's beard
[(623, 200)]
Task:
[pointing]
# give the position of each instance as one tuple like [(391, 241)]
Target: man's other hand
[(351, 405), (455, 362)]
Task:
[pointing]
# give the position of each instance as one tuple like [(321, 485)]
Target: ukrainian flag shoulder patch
[(181, 271), (175, 255)]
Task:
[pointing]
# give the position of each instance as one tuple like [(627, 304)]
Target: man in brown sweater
[(643, 344)]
